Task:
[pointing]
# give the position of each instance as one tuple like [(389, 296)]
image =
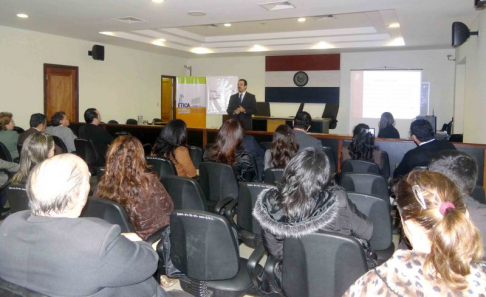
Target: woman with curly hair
[(172, 144), (128, 181), (283, 148)]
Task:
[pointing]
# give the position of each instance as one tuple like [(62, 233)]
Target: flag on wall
[(302, 79)]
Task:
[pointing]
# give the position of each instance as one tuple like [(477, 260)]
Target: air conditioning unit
[(480, 4)]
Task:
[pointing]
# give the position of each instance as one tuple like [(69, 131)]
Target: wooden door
[(61, 91), (167, 95)]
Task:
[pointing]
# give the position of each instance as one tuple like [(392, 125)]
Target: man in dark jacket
[(99, 136), (242, 105)]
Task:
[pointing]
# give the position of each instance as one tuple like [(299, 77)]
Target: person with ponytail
[(446, 246)]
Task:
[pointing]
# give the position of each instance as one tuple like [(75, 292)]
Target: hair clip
[(417, 192)]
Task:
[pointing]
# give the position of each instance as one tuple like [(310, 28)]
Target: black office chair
[(332, 159), (19, 130), (478, 194), (147, 149), (196, 154), (378, 213), (204, 248), (319, 264), (366, 183), (100, 171), (161, 166), (58, 141), (109, 211), (19, 149), (132, 122), (86, 150), (185, 192), (156, 120), (218, 183), (331, 111), (359, 166), (113, 122), (17, 198), (273, 175), (8, 289), (266, 145), (121, 133), (4, 153)]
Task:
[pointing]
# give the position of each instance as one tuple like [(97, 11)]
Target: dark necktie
[(241, 95)]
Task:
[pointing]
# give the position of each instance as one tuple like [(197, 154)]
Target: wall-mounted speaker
[(480, 4), (98, 52), (460, 33)]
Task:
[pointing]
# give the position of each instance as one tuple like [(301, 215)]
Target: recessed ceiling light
[(201, 50), (22, 15), (399, 41), (108, 33), (301, 20), (157, 1), (159, 42), (196, 13), (227, 25), (323, 45), (394, 25), (258, 48)]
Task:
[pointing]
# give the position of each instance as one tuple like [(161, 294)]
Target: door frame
[(174, 95), (76, 68)]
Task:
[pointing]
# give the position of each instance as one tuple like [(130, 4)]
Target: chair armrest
[(230, 210), (270, 266), (252, 265), (157, 235), (220, 206)]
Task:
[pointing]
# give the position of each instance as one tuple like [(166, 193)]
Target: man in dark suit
[(302, 123), (242, 105), (99, 136), (423, 135), (51, 250), (38, 123)]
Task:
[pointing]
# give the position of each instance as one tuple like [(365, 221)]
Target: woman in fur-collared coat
[(303, 203)]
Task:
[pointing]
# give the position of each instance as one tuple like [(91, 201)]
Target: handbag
[(170, 269), (370, 255)]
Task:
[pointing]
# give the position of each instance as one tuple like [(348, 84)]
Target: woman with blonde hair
[(446, 245), (8, 136)]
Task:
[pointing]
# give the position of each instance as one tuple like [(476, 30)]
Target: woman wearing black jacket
[(387, 126), (303, 203)]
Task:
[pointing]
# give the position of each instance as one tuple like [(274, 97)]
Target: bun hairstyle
[(362, 145), (433, 201)]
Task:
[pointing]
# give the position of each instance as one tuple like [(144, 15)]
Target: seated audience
[(38, 123), (423, 135), (36, 148), (446, 245), (228, 150), (251, 146), (6, 168), (129, 182), (387, 126), (60, 128), (8, 136), (302, 123), (50, 250), (99, 136), (363, 148), (172, 144), (304, 203), (462, 170), (284, 147)]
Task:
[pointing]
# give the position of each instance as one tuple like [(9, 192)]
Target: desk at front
[(269, 124)]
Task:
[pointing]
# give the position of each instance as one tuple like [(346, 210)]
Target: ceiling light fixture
[(323, 45), (200, 50), (157, 1), (399, 41), (258, 48), (196, 13), (394, 25), (301, 20), (227, 25), (108, 33), (22, 15), (159, 42)]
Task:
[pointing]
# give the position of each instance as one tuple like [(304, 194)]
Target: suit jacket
[(248, 103), (100, 138), (66, 134), (23, 136), (420, 156), (305, 140), (75, 257)]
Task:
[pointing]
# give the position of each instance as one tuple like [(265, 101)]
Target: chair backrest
[(359, 166), (19, 130), (247, 196), (203, 245), (161, 166), (86, 150), (196, 154), (58, 141), (185, 192), (19, 149), (365, 183), (217, 181), (122, 133), (109, 211), (132, 122), (478, 194), (273, 175), (100, 171), (266, 145), (321, 263), (332, 159), (263, 109), (17, 198), (4, 153), (378, 213), (8, 289)]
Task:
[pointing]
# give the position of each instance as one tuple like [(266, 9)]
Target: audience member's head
[(228, 140), (6, 121), (172, 136), (242, 85), (92, 116), (421, 131), (435, 222), (38, 121), (59, 187), (362, 145), (284, 146), (36, 148), (386, 120), (302, 120), (60, 119), (305, 177), (459, 167)]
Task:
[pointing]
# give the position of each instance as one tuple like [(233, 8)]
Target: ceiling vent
[(270, 6), (129, 20)]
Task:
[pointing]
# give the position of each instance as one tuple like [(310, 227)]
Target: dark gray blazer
[(248, 103), (306, 141), (75, 257)]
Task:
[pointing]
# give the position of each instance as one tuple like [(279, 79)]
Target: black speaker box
[(461, 33), (98, 52)]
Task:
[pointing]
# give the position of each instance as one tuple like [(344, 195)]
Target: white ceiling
[(357, 24)]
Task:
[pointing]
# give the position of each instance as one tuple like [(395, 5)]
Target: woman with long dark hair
[(227, 149), (172, 144), (387, 126), (304, 203), (128, 181), (446, 246), (283, 148)]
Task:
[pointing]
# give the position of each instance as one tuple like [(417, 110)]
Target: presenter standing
[(242, 105)]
